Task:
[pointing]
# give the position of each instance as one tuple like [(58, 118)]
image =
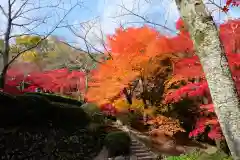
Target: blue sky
[(108, 13), (154, 11)]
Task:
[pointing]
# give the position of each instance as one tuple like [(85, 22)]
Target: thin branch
[(103, 43), (144, 19), (81, 50), (13, 2), (27, 23), (20, 11), (44, 38), (25, 34), (218, 6), (2, 10), (86, 43)]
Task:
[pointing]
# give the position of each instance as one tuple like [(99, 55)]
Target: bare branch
[(84, 38), (3, 11), (21, 10), (25, 34), (131, 13), (42, 39), (12, 16), (26, 23), (103, 43), (81, 50), (13, 2), (218, 6)]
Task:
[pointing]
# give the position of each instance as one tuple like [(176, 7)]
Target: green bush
[(198, 155), (71, 116), (7, 100), (98, 133), (39, 109), (35, 101), (90, 108), (94, 113), (11, 111), (133, 120), (191, 156), (117, 143), (57, 98)]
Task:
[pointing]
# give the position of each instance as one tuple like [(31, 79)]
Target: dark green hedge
[(118, 143), (34, 109), (57, 98)]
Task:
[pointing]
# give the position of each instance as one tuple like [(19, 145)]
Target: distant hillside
[(65, 56), (70, 57)]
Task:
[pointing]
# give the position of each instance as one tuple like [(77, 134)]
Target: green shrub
[(57, 98), (94, 113), (98, 133), (198, 155), (7, 100), (35, 107), (33, 100), (11, 111), (70, 116), (39, 109), (133, 120), (90, 108), (191, 156), (118, 143)]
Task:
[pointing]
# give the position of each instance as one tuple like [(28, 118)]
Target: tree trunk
[(6, 47), (204, 34)]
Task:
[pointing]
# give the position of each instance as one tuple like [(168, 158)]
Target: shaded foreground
[(47, 143), (54, 131), (37, 127)]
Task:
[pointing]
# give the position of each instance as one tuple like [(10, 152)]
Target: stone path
[(141, 151), (138, 149)]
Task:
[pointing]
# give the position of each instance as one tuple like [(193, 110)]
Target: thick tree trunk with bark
[(205, 36)]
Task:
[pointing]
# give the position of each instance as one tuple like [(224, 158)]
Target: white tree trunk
[(205, 36)]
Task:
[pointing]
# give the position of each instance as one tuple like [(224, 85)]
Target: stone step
[(140, 151), (133, 142), (138, 147), (135, 147), (142, 154), (146, 158), (136, 143)]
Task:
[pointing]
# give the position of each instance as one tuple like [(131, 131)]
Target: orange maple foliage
[(168, 126), (131, 49)]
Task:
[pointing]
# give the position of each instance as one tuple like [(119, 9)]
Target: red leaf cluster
[(190, 67), (229, 3), (60, 81)]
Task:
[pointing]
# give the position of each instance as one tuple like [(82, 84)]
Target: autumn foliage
[(234, 3), (132, 54), (156, 71), (197, 87), (61, 81), (129, 54)]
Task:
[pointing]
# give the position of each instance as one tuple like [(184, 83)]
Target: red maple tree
[(190, 67)]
